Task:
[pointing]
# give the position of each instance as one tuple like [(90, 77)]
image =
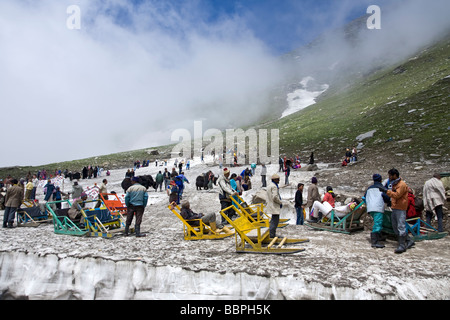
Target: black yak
[(146, 180), (203, 180), (73, 176)]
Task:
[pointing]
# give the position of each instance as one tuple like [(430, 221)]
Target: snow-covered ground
[(38, 264)]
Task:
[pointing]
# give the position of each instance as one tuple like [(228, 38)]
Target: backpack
[(419, 205)]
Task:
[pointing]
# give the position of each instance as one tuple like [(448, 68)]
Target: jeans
[(230, 212), (377, 221), (166, 183), (399, 222), (439, 214), (9, 215), (273, 224), (300, 217), (180, 193), (131, 211), (263, 181)]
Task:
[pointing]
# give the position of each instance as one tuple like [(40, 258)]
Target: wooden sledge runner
[(252, 235), (255, 211)]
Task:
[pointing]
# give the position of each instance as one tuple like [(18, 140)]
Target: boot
[(374, 239), (409, 243), (227, 230), (214, 228), (401, 244), (382, 237), (127, 230), (138, 232)]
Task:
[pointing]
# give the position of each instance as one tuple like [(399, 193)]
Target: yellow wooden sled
[(255, 211), (200, 232), (254, 234)]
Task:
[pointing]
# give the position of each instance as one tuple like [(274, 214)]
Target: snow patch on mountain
[(305, 96)]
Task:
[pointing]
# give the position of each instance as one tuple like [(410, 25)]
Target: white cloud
[(69, 94)]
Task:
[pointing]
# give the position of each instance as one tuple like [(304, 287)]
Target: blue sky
[(283, 25)]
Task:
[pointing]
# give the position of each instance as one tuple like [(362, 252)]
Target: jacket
[(136, 196), (159, 178), (264, 171), (298, 199), (14, 196), (411, 212), (329, 198), (225, 190), (49, 188), (77, 190), (433, 194), (188, 214), (313, 195), (273, 199), (399, 195), (75, 210), (375, 199), (102, 188)]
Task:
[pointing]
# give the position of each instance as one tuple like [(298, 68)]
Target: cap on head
[(377, 177)]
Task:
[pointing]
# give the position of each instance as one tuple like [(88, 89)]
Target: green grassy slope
[(407, 105)]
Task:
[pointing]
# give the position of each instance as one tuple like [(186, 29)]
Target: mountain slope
[(407, 105)]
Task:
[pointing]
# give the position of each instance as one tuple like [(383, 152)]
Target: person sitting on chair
[(208, 219), (75, 211), (325, 209)]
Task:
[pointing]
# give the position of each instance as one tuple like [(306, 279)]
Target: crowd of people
[(16, 192), (391, 193)]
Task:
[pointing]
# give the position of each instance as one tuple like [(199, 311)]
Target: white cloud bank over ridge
[(107, 88), (133, 74)]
